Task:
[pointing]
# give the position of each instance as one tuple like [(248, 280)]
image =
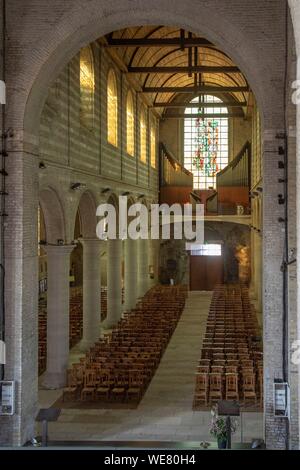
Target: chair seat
[(118, 389), (134, 390), (102, 389)]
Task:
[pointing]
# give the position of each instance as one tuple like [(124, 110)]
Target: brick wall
[(43, 38)]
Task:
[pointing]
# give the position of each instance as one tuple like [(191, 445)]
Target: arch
[(112, 108), (87, 214), (74, 31), (53, 215), (130, 124)]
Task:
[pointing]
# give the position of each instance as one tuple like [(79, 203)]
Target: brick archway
[(62, 30)]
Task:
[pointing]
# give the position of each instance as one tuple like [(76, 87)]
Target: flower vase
[(222, 443)]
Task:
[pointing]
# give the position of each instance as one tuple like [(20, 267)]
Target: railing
[(172, 171), (237, 173)]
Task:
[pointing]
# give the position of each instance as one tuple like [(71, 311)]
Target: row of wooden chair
[(120, 365), (214, 387), (231, 360)]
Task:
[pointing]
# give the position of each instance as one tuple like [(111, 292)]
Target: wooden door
[(205, 272)]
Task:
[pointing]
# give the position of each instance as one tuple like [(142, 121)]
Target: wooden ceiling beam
[(157, 42), (196, 116), (227, 104), (185, 69), (197, 90)]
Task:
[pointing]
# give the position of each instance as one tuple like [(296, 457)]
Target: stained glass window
[(206, 142), (112, 108), (87, 86), (130, 124)]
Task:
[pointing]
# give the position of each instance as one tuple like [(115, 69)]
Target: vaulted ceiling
[(161, 56)]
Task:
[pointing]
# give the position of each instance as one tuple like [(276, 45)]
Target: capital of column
[(59, 250)]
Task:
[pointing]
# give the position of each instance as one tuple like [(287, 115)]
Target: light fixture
[(106, 190), (3, 172), (77, 186), (42, 166), (126, 193), (260, 189), (141, 196), (60, 242)]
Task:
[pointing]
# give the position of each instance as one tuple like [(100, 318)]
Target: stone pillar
[(91, 291), (58, 293), (258, 264), (130, 273), (143, 266), (114, 282)]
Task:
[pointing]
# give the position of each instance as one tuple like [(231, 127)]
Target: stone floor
[(165, 413)]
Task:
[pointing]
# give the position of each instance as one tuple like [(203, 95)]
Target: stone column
[(114, 282), (58, 267), (91, 291), (258, 267), (130, 273), (143, 266)]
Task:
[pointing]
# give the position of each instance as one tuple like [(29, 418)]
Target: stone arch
[(87, 214), (75, 30), (53, 215)]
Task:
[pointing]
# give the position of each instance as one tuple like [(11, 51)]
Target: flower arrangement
[(218, 427)]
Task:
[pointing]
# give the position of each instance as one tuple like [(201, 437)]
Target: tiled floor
[(165, 413)]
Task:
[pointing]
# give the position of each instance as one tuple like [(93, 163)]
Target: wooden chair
[(88, 391), (201, 389), (249, 388), (215, 387), (135, 387), (118, 390), (232, 389), (103, 388)]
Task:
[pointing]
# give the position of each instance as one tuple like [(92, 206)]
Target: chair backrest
[(231, 382), (215, 381), (90, 377), (201, 381), (249, 382)]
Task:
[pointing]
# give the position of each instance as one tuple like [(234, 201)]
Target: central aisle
[(165, 413)]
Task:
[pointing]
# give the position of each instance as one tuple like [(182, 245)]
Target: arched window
[(130, 124), (112, 108), (143, 137), (87, 86), (153, 146), (206, 141)]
